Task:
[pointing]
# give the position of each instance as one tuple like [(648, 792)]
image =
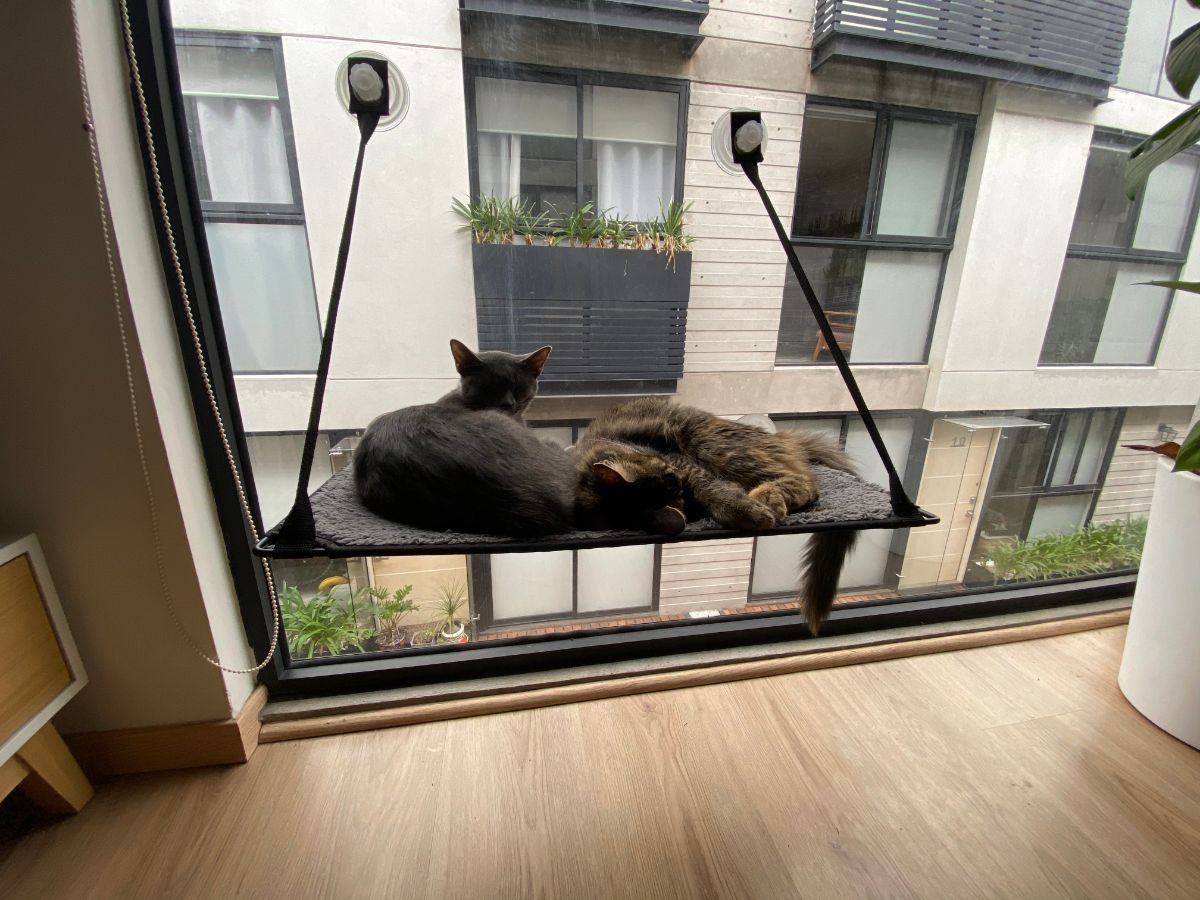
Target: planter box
[(617, 319), (1160, 669)]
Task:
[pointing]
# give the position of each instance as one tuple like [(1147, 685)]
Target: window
[(519, 588), (1104, 313), (558, 140), (239, 129), (1153, 24), (1045, 480), (875, 560), (876, 207)]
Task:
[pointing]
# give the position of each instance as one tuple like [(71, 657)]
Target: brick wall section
[(1130, 480)]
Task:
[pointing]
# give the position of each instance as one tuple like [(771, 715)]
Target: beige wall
[(69, 468), (1129, 484)]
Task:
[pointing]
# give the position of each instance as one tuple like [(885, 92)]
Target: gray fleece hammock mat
[(333, 523)]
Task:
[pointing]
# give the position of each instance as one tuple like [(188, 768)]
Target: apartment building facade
[(953, 188)]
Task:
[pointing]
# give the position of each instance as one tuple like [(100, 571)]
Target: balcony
[(675, 21), (1066, 45)]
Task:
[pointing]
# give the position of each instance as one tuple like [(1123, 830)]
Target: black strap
[(901, 505), (298, 529)]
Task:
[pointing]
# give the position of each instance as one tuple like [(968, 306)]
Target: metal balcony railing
[(1071, 45)]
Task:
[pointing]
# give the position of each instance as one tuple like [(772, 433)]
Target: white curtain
[(635, 181), (499, 165), (244, 152)]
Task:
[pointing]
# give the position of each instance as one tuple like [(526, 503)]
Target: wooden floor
[(1012, 771)]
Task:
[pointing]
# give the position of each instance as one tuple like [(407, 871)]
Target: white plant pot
[(1160, 670)]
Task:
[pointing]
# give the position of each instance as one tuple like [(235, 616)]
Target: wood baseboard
[(317, 726), (159, 748)]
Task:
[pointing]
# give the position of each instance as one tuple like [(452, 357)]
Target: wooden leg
[(54, 780), (12, 773)]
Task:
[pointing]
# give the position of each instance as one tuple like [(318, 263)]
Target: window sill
[(295, 719)]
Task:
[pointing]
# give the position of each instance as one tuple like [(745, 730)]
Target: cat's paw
[(746, 515), (773, 498)]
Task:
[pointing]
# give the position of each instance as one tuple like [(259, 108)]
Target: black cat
[(467, 462)]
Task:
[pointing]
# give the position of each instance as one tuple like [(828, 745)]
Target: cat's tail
[(820, 567)]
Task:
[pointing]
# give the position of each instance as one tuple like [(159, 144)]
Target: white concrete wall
[(408, 286), (1023, 186)]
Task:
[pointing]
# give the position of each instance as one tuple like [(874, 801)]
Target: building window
[(876, 206), (240, 134), (559, 139), (1044, 480), (516, 588), (1153, 24), (875, 561), (1104, 313)]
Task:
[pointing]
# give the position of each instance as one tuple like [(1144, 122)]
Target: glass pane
[(265, 290), (1135, 314), (895, 307), (1166, 206), (1059, 515), (531, 584), (629, 150), (527, 141), (1103, 216), (1145, 45), (1183, 16), (616, 578), (835, 166), (245, 157), (1068, 448), (556, 434), (1105, 314), (919, 179), (879, 304), (1022, 455), (236, 71), (1099, 437)]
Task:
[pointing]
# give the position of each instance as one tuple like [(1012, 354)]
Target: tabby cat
[(652, 464), (467, 462)]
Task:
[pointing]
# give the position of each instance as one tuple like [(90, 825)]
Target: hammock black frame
[(296, 536)]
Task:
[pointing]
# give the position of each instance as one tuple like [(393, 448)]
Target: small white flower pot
[(1160, 670)]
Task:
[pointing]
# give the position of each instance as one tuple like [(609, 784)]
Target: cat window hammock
[(333, 523)]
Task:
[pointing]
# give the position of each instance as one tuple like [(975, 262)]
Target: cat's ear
[(464, 359), (611, 473), (536, 360)]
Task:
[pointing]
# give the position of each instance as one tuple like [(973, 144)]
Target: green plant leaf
[(1188, 459), (1192, 287), (1177, 135), (1183, 61)]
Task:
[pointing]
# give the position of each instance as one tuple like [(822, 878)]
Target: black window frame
[(247, 212), (885, 116), (1049, 460), (1124, 140), (579, 78), (151, 40)]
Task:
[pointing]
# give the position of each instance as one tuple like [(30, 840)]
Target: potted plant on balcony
[(1160, 668), (450, 605), (609, 295)]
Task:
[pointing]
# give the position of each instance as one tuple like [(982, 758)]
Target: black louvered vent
[(617, 319)]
